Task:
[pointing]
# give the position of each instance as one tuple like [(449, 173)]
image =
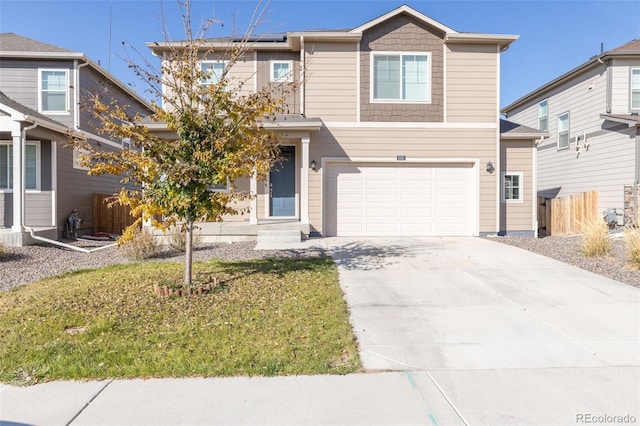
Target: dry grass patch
[(595, 238), (269, 317), (632, 243)]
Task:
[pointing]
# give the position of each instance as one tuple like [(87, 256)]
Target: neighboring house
[(591, 114), (41, 89), (395, 131)]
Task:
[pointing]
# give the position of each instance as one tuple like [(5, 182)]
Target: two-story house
[(394, 131), (41, 91), (591, 114)]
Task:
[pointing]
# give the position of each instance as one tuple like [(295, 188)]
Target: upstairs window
[(54, 91), (543, 115), (281, 71), (402, 77), (635, 88), (212, 71), (563, 131)]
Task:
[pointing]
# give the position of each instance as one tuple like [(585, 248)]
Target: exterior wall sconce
[(313, 165), (490, 168)]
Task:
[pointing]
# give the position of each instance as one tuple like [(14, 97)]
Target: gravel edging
[(22, 265), (567, 249)]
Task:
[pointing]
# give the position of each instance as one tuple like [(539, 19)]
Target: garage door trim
[(473, 163)]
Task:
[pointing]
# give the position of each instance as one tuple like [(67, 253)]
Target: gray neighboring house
[(591, 114), (41, 91)]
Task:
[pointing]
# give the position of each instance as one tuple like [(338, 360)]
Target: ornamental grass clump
[(595, 238), (2, 251), (142, 246), (632, 243)]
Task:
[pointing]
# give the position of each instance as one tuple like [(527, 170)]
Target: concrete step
[(278, 236)]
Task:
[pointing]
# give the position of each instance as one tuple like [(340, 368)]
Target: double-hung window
[(54, 91), (512, 191), (401, 77), (281, 71), (212, 72), (32, 171), (543, 115), (635, 89), (563, 131)]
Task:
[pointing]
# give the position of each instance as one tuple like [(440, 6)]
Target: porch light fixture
[(313, 165), (490, 168)]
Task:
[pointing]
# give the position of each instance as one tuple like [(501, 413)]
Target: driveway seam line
[(89, 403), (449, 401)]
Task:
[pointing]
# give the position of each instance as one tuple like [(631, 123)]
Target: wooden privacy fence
[(112, 220), (561, 216)]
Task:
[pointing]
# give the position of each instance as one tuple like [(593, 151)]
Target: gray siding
[(6, 209), (402, 34)]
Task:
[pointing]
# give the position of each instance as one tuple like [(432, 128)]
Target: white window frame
[(67, 110), (213, 61), (545, 116), (285, 79), (520, 198), (225, 190), (126, 143), (38, 167), (76, 158), (633, 89), (372, 97), (568, 130)]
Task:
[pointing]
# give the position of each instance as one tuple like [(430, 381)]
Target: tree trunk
[(188, 253)]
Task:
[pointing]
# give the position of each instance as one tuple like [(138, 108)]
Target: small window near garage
[(512, 191), (54, 91), (635, 89), (281, 71), (563, 131), (543, 115)]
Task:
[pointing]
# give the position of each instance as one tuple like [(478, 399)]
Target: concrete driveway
[(508, 336)]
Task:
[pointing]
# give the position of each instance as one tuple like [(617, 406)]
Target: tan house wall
[(331, 75), (375, 142), (516, 156), (263, 76), (402, 34), (472, 73)]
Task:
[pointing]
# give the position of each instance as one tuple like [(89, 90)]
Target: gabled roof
[(406, 10), (511, 130), (630, 120), (20, 112), (16, 46), (630, 49)]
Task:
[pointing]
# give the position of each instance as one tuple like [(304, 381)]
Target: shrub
[(595, 237), (142, 246), (177, 239), (2, 251), (632, 242)]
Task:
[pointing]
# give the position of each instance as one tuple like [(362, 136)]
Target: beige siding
[(382, 143), (286, 90), (606, 166), (517, 157), (620, 88), (471, 78), (331, 81)]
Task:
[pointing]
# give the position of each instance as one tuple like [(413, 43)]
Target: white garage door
[(410, 200)]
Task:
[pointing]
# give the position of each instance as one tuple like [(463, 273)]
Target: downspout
[(636, 182), (76, 94), (607, 66), (302, 71), (69, 246)]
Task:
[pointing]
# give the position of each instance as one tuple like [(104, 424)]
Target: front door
[(282, 180)]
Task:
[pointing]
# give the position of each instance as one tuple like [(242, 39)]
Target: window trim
[(212, 61), (38, 168), (67, 110), (631, 89), (545, 116), (558, 147), (224, 190), (374, 100), (76, 158), (518, 200), (288, 78)]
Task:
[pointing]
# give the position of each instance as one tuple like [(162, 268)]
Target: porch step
[(278, 236)]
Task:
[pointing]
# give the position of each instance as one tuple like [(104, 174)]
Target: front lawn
[(267, 317)]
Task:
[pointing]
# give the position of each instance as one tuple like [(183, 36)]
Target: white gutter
[(69, 246), (76, 94), (302, 74)]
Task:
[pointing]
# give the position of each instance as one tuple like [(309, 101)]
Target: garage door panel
[(410, 200)]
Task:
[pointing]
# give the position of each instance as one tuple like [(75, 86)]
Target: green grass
[(270, 317)]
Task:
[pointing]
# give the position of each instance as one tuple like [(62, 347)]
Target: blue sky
[(555, 35)]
